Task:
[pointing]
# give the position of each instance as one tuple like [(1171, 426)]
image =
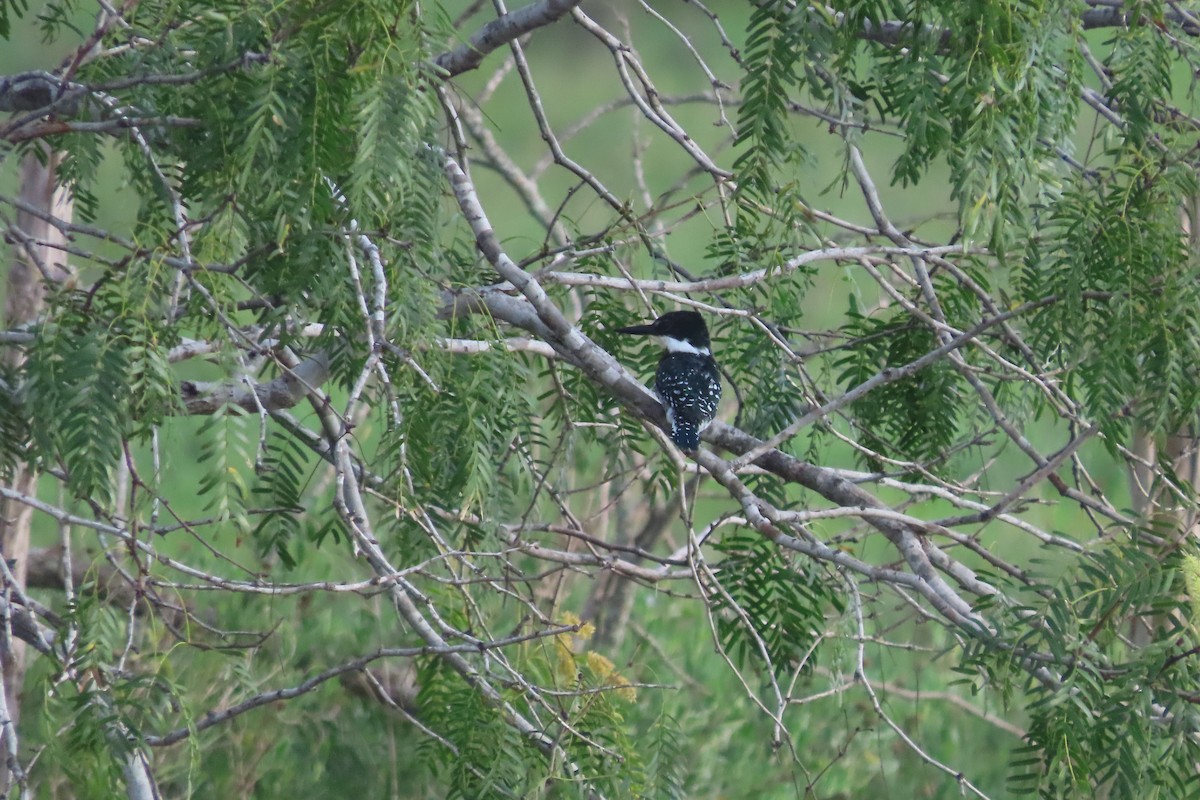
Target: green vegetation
[(343, 484)]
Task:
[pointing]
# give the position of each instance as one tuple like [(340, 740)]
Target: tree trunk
[(1154, 506), (34, 262)]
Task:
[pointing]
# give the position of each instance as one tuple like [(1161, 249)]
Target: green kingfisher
[(687, 381)]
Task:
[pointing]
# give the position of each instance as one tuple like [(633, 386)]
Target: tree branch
[(40, 91), (283, 392), (500, 31), (266, 698), (895, 33)]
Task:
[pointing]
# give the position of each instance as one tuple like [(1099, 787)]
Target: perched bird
[(687, 382)]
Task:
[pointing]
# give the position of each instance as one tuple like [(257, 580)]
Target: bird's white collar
[(674, 345)]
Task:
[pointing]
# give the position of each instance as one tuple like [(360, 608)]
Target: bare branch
[(40, 91), (500, 31), (283, 392), (266, 698), (1099, 15)]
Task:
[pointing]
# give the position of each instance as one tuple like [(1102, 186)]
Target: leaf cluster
[(1115, 715), (1122, 281), (914, 418), (770, 609)]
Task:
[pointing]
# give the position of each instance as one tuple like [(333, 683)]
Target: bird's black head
[(679, 331)]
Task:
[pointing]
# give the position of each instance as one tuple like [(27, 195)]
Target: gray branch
[(500, 31), (284, 392), (27, 629), (1102, 15), (33, 91), (358, 664), (895, 33)]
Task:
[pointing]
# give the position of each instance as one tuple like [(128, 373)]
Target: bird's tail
[(685, 433)]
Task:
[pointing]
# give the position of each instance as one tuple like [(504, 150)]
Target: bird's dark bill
[(644, 330)]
